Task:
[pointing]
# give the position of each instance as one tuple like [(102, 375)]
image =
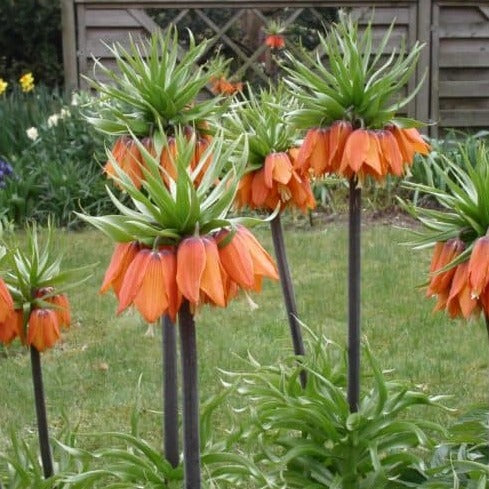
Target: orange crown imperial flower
[(38, 308), (273, 178), (459, 271), (377, 153), (178, 245), (129, 158), (207, 269), (352, 129)]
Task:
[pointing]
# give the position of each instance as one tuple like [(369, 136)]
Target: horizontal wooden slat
[(462, 60), (464, 118), (109, 18), (244, 4), (460, 15), (464, 45), (475, 30), (454, 89), (382, 16), (96, 38)]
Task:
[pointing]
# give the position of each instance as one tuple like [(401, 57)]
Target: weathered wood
[(472, 88), (464, 118), (243, 4), (467, 30), (423, 34), (96, 17), (464, 60), (434, 70), (382, 16), (69, 44), (82, 43), (463, 13)]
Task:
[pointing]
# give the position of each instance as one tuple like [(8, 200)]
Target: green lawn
[(92, 375)]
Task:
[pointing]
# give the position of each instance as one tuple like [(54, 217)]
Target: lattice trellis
[(239, 33)]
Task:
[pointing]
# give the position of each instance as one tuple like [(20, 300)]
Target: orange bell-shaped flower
[(43, 331), (6, 302)]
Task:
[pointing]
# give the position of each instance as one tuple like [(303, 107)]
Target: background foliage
[(58, 172), (30, 40)]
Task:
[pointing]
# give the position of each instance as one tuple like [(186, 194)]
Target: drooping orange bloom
[(444, 254), (202, 269), (127, 155), (6, 302), (322, 149), (12, 326), (277, 182), (43, 331), (463, 290), (478, 267), (275, 41), (244, 259), (222, 86), (460, 302), (122, 257), (61, 303), (361, 152)]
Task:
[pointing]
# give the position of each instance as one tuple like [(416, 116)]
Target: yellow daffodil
[(3, 86), (27, 82)]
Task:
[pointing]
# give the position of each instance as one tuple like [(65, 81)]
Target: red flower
[(275, 41)]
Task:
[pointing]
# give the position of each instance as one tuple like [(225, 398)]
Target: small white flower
[(32, 133), (53, 120), (75, 99), (64, 113)]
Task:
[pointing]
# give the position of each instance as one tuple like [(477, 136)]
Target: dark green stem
[(354, 277), (288, 291), (170, 391), (191, 438), (42, 423)]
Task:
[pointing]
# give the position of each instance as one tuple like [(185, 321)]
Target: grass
[(92, 375)]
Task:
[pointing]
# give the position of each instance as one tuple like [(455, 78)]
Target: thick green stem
[(170, 391), (191, 437), (288, 291), (42, 423), (354, 277)]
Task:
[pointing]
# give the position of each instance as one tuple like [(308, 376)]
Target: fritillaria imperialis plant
[(36, 312), (349, 110), (177, 249), (458, 233), (154, 88), (271, 181)]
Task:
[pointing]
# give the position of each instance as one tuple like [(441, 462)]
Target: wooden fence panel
[(460, 65), (455, 92)]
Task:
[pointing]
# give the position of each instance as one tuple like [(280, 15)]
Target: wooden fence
[(455, 62)]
